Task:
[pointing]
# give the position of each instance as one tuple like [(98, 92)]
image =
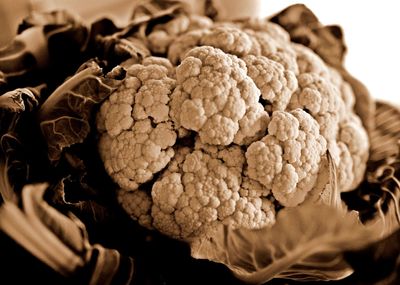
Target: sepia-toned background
[(370, 30)]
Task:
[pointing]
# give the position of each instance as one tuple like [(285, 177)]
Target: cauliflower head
[(230, 124)]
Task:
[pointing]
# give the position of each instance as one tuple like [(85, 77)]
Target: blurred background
[(370, 29)]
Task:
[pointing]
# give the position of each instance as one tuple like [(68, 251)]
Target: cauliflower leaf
[(64, 116), (301, 245)]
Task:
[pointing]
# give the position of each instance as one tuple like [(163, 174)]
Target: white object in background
[(370, 29), (91, 10), (238, 9), (371, 33), (227, 9)]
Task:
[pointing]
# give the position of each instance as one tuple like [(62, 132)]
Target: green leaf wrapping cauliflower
[(233, 122)]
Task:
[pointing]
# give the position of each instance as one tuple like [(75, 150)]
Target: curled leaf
[(3, 80), (384, 138), (116, 50), (65, 116), (16, 100), (26, 53), (379, 262), (387, 180), (28, 231), (66, 36), (16, 108), (45, 41), (128, 43), (61, 242), (14, 169), (83, 204), (305, 244)]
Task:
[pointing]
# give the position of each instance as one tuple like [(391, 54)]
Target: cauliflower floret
[(232, 156), (330, 101), (206, 188), (284, 188), (161, 61), (345, 171), (229, 39), (203, 187), (115, 113), (322, 99), (308, 61), (273, 30), (252, 188), (138, 205), (273, 42), (136, 133), (355, 138), (199, 22), (215, 95), (163, 35), (152, 99), (275, 83), (253, 213), (267, 40), (286, 57), (134, 156), (264, 159), (166, 192), (181, 45), (177, 99), (252, 126), (159, 40), (287, 160), (345, 90), (284, 126)]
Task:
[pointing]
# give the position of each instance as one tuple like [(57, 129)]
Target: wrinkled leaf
[(377, 262), (15, 110), (305, 28), (69, 230), (28, 231), (3, 80), (61, 242), (18, 100), (116, 50), (378, 200), (25, 54), (14, 168), (384, 138), (116, 45), (65, 116), (82, 204), (386, 178), (66, 37), (48, 44), (306, 243)]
